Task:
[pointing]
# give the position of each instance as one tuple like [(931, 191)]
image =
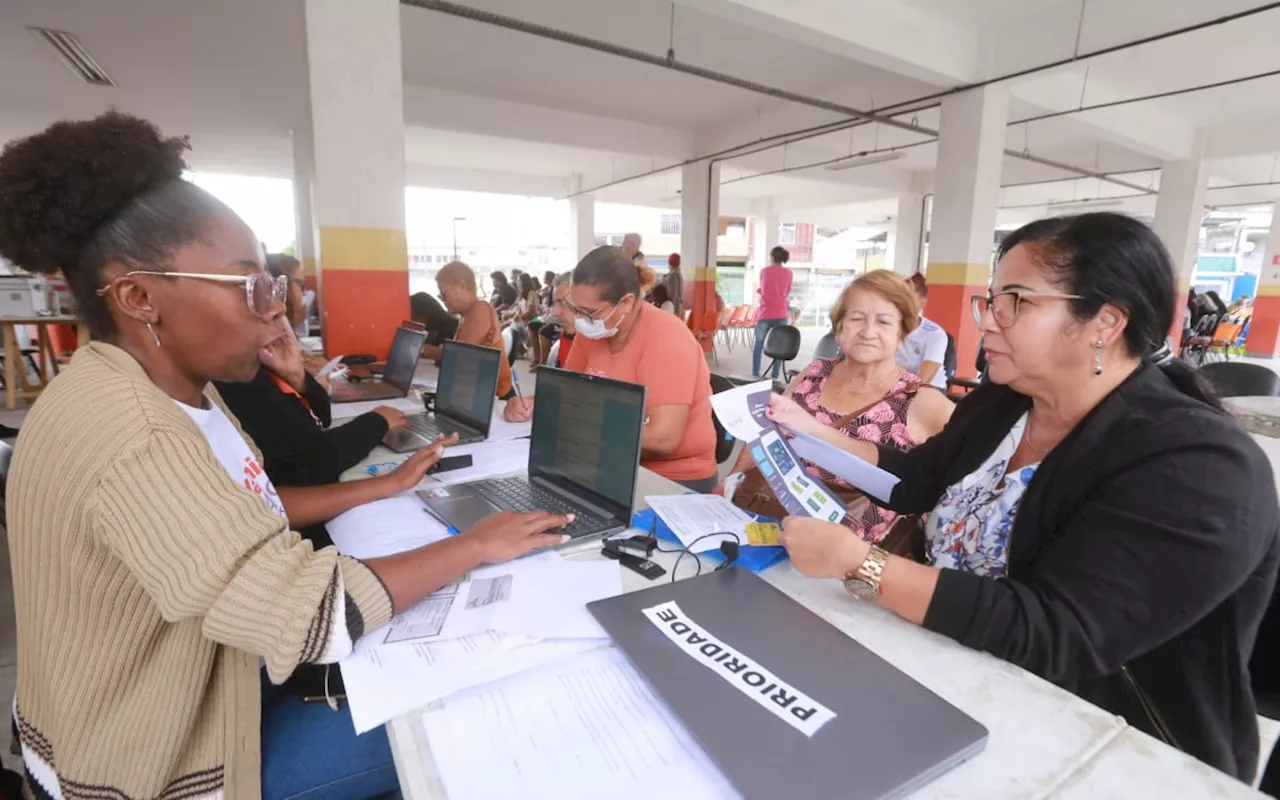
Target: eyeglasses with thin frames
[(262, 291), (1004, 306)]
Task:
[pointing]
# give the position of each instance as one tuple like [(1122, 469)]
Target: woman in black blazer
[(1094, 515)]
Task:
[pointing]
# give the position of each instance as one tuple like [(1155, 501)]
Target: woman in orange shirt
[(621, 337)]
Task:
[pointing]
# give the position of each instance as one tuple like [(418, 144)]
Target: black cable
[(688, 549)]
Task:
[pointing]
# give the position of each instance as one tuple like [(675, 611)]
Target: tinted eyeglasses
[(262, 291), (1004, 306)]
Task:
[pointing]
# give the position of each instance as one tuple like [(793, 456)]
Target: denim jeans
[(311, 752), (762, 330)]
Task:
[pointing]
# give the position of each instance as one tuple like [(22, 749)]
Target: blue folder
[(756, 558)]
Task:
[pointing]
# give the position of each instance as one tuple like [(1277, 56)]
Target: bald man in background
[(631, 245), (457, 284)]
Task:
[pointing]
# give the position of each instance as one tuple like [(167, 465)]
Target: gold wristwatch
[(864, 582)]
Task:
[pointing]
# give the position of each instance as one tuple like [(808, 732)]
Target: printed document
[(692, 516), (385, 527), (584, 728), (741, 409), (871, 479)]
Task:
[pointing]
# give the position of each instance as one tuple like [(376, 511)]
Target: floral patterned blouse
[(883, 423), (969, 528)]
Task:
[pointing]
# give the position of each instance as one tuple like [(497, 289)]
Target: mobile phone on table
[(450, 463)]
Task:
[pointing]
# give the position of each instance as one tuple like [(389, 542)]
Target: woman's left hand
[(822, 549), (284, 358)]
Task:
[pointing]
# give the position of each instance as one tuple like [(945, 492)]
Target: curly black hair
[(83, 193)]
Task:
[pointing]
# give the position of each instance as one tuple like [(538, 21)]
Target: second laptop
[(464, 400)]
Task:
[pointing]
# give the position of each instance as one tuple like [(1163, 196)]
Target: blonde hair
[(891, 287), (647, 277)]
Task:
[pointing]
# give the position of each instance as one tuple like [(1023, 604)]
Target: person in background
[(504, 294), (524, 312), (631, 245), (775, 286), (661, 299), (288, 267), (479, 325), (152, 593), (925, 348), (620, 336), (440, 325), (1095, 517), (563, 317), (548, 288), (674, 282), (862, 395)]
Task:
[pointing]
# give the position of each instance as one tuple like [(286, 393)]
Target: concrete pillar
[(1264, 330), (699, 227), (582, 223), (304, 167), (766, 238), (1179, 213), (357, 114), (966, 196), (906, 237)]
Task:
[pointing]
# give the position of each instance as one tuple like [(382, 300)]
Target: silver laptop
[(584, 456), (707, 657), (464, 399), (396, 379)]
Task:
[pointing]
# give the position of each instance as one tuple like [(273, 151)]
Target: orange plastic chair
[(706, 336)]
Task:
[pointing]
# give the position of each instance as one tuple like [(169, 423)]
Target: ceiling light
[(1082, 204), (865, 159), (73, 54)]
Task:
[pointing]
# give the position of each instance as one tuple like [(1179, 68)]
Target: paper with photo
[(843, 464), (741, 409), (694, 516), (560, 611)]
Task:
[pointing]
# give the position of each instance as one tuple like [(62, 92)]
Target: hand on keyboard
[(507, 534)]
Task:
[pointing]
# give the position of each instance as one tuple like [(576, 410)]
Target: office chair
[(782, 344), (827, 347), (1236, 379), (724, 440)]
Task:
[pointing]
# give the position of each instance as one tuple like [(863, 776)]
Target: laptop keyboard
[(517, 494)]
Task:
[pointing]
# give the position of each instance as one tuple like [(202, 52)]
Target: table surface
[(1044, 741)]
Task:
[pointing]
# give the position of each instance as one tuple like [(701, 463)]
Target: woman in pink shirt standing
[(775, 287)]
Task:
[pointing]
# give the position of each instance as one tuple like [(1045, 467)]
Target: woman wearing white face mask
[(620, 336)]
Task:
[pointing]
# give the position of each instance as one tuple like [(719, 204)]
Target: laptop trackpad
[(462, 506)]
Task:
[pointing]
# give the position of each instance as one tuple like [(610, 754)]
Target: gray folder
[(889, 737)]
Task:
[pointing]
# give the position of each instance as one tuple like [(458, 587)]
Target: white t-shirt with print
[(234, 455), (928, 342)]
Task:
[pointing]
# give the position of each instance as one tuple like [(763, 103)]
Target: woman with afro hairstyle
[(160, 588)]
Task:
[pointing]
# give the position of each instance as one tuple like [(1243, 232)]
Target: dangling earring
[(156, 339), (1097, 357)]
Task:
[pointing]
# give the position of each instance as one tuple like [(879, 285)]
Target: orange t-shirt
[(663, 355), (480, 326)]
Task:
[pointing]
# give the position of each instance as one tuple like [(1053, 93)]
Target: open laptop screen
[(468, 380), (586, 434), (403, 360)]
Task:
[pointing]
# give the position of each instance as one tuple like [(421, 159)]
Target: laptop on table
[(464, 399), (584, 456), (784, 702), (396, 380)]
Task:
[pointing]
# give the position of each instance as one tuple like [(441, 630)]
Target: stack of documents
[(496, 621), (582, 728), (696, 518)]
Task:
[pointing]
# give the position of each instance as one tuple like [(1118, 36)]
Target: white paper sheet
[(385, 682), (385, 527), (561, 612), (691, 516), (488, 459), (739, 409), (860, 474), (583, 728), (502, 431)]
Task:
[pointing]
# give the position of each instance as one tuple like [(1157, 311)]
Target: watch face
[(860, 589)]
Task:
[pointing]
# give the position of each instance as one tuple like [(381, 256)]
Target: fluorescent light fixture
[(73, 54), (1077, 205), (865, 159)]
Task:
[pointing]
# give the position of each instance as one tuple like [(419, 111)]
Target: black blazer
[(1146, 540), (296, 449)]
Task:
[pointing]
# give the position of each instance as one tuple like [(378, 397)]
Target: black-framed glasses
[(262, 291), (1004, 306)]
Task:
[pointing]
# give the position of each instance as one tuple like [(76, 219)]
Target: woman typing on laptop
[(155, 568)]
